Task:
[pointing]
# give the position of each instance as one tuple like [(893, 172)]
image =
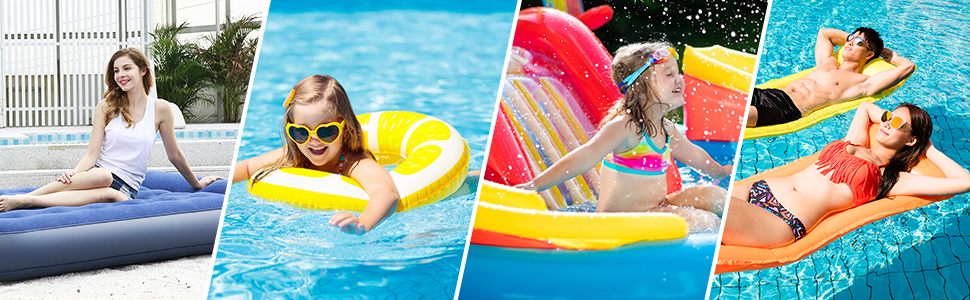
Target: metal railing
[(54, 53)]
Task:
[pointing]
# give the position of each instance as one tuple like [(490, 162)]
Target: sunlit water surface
[(921, 254), (416, 58)]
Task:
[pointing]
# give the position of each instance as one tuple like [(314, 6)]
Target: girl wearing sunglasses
[(848, 173), (635, 144), (124, 131), (322, 133)]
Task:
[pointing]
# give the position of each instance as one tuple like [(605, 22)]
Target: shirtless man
[(830, 82)]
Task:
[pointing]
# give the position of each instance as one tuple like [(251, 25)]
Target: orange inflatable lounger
[(829, 228)]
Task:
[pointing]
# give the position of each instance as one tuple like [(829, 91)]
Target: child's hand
[(529, 186), (348, 223)]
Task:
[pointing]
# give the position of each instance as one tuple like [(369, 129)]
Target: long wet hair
[(311, 90), (904, 160), (640, 96), (116, 98)]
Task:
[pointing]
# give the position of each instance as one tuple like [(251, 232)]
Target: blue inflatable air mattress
[(168, 219)]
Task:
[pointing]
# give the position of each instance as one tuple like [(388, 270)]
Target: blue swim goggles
[(657, 57)]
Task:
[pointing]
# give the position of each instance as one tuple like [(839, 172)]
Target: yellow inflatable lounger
[(510, 211), (831, 227), (721, 66), (431, 158), (814, 117)]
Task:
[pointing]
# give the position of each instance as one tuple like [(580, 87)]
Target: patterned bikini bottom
[(761, 196)]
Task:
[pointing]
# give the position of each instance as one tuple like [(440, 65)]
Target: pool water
[(921, 254), (445, 62), (85, 137)]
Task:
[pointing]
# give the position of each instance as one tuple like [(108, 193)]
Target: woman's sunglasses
[(326, 133), (857, 41), (894, 121)]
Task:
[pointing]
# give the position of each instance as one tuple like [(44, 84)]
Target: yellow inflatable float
[(513, 212), (814, 117), (718, 80), (431, 158)]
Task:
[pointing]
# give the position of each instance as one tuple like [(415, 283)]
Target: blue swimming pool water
[(85, 137), (446, 63), (921, 254)]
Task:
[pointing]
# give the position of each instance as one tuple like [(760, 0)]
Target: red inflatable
[(713, 112), (583, 58), (557, 64), (504, 152)]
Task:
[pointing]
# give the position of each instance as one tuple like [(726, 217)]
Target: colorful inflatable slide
[(555, 92)]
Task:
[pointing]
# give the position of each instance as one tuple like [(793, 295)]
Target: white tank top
[(125, 151)]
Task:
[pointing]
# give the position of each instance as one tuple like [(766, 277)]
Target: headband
[(659, 56)]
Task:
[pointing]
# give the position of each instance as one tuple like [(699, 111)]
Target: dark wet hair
[(872, 39), (921, 127)]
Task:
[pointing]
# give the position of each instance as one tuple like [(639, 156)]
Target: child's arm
[(582, 159), (166, 129), (384, 196), (956, 181), (245, 169), (694, 156)]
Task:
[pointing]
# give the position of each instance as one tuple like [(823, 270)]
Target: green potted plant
[(230, 56), (180, 77)]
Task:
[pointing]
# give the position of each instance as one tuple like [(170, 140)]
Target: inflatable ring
[(431, 158), (831, 227), (818, 115)]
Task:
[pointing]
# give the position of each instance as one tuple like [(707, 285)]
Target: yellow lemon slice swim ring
[(431, 158)]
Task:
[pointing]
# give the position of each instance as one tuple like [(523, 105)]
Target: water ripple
[(386, 60)]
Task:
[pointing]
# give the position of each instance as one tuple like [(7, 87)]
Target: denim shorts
[(121, 186)]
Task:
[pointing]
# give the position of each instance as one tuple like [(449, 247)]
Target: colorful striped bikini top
[(644, 159), (862, 176)]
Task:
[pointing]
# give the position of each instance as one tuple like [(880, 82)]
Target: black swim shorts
[(774, 107)]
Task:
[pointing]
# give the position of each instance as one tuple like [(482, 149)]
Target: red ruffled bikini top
[(862, 176)]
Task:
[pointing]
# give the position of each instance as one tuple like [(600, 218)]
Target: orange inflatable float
[(829, 228)]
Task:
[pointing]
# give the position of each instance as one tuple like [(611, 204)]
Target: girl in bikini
[(322, 133), (125, 125), (635, 144), (850, 172)]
